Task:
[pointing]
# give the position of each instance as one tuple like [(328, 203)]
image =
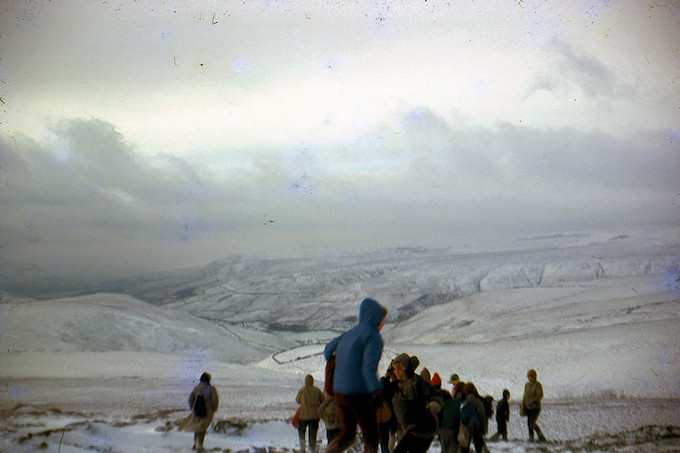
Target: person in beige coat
[(531, 404), (309, 398), (201, 413)]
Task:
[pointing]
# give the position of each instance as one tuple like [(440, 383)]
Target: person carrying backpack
[(203, 401), (328, 411), (473, 416), (450, 424)]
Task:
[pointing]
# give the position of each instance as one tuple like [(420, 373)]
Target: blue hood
[(371, 313), (358, 352)]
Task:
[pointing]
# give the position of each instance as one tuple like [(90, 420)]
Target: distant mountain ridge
[(323, 293)]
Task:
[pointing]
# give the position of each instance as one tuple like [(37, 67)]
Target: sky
[(148, 135)]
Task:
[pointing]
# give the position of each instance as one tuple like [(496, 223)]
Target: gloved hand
[(433, 407), (376, 400)]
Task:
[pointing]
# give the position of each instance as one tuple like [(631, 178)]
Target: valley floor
[(124, 420)]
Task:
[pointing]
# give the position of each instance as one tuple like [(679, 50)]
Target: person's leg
[(479, 442), (536, 428), (302, 427), (200, 437), (405, 444), (384, 431), (446, 440), (368, 423), (313, 428), (422, 444), (332, 434), (501, 431), (476, 437), (532, 415), (348, 426)]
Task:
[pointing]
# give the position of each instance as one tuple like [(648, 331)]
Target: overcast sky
[(154, 134)]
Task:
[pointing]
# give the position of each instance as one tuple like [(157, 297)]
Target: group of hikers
[(403, 411)]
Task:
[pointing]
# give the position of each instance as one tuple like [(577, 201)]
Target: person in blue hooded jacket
[(355, 383)]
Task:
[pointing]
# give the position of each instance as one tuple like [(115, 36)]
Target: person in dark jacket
[(474, 417), (436, 382), (502, 416), (388, 429), (203, 395), (416, 404), (355, 383), (309, 398), (450, 424)]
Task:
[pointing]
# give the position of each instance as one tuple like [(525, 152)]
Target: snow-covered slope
[(606, 338), (114, 322), (293, 295)]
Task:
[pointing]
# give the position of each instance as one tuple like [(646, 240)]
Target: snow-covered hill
[(296, 295), (114, 322)]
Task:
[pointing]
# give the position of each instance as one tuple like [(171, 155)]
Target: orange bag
[(296, 419)]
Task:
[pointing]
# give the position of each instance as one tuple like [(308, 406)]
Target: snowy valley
[(596, 313)]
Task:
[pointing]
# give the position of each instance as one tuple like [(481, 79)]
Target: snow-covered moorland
[(596, 314)]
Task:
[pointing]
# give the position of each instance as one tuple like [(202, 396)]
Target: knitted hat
[(436, 380), (404, 360)]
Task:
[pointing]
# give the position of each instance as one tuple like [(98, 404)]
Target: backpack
[(468, 414), (329, 414), (487, 402), (200, 408)]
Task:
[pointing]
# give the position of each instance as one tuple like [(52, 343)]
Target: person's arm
[(322, 406), (372, 353), (330, 348), (215, 399)]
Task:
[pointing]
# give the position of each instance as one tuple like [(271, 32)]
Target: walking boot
[(541, 437)]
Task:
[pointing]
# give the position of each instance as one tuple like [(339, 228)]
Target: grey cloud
[(504, 179), (571, 69), (88, 179), (89, 160), (90, 198), (514, 156)]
